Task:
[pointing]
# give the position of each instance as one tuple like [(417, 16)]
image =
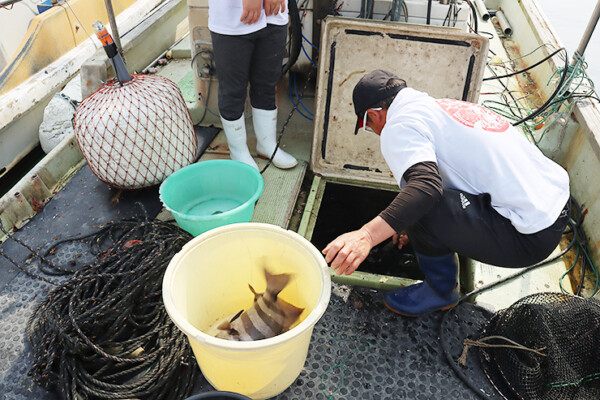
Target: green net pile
[(548, 348)]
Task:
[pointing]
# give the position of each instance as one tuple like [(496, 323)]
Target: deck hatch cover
[(443, 62)]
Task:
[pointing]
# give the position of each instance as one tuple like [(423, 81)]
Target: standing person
[(471, 184), (249, 40)]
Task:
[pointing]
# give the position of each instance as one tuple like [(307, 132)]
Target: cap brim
[(359, 124)]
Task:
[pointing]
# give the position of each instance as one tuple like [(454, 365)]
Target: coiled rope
[(104, 333)]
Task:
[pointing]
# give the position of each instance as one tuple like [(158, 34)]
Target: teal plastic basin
[(210, 194)]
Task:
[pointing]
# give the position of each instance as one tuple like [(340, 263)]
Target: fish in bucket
[(269, 316), (206, 283)]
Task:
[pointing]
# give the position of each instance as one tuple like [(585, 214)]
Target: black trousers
[(469, 225), (255, 58)]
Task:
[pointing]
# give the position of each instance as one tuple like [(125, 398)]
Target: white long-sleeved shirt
[(477, 151)]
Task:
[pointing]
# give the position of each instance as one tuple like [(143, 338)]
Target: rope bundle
[(104, 333)]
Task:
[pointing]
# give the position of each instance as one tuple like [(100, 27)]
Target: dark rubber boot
[(438, 291)]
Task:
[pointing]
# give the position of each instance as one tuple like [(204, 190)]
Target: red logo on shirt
[(474, 115)]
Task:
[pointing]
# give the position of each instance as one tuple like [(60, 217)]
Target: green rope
[(586, 260), (544, 45), (340, 365), (576, 86), (577, 82), (585, 379), (594, 270), (568, 271)]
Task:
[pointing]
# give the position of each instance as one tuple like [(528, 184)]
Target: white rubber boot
[(236, 140), (265, 128)]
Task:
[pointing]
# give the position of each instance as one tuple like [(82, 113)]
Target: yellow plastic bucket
[(207, 281)]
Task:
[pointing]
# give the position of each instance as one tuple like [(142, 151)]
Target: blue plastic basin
[(210, 194)]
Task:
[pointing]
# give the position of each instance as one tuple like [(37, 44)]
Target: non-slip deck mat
[(80, 208), (386, 356)]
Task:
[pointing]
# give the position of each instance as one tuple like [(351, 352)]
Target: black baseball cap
[(370, 90)]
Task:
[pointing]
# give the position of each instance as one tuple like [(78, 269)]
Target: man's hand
[(400, 239), (348, 251), (274, 6), (251, 11)]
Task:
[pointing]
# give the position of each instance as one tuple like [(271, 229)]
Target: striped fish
[(269, 316)]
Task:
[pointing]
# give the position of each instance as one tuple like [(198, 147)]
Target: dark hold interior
[(345, 208)]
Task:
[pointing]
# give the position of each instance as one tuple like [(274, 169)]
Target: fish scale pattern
[(135, 135)]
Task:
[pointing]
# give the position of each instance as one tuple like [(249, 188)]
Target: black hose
[(396, 9), (462, 376), (559, 87), (429, 11), (366, 9), (526, 69), (295, 36), (474, 12)]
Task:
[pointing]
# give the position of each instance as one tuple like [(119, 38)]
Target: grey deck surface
[(82, 206), (385, 356)]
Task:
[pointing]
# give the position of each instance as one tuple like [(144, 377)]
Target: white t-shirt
[(477, 151), (224, 18)]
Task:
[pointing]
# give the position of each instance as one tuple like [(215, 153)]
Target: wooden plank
[(311, 210), (277, 202)]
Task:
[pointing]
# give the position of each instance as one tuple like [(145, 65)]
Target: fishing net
[(546, 346), (136, 134)]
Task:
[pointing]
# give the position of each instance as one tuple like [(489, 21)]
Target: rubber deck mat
[(361, 350), (83, 205), (383, 356), (80, 208)]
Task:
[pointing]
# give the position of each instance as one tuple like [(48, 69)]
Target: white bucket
[(207, 281)]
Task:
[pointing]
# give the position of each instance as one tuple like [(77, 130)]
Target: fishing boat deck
[(354, 348), (358, 349)]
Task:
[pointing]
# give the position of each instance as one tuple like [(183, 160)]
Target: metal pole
[(587, 34), (113, 25), (504, 24), (483, 11), (5, 3)]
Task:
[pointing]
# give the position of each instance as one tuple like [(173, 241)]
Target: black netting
[(559, 352)]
